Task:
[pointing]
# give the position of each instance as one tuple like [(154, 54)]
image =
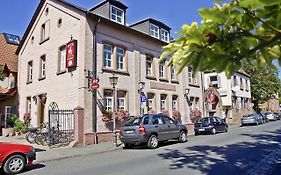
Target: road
[(237, 152)]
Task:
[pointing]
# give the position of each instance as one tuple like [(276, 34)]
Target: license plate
[(129, 132), (201, 129)]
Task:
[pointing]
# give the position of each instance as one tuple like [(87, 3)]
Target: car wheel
[(226, 130), (14, 164), (152, 142), (214, 131), (257, 123), (183, 137), (196, 134)]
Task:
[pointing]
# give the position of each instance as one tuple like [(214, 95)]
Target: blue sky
[(15, 15)]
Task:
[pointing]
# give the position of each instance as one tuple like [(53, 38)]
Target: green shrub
[(20, 126), (11, 120)]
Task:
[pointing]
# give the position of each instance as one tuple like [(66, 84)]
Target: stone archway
[(212, 102)]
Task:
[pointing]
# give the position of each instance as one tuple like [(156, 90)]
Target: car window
[(146, 120), (218, 120), (155, 120), (167, 120), (133, 121)]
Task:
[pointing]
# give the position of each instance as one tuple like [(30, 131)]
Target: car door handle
[(156, 126), (169, 126)]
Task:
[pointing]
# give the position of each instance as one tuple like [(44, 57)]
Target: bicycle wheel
[(44, 139), (30, 137)]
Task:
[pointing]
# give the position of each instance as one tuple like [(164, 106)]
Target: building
[(272, 104), (227, 98), (8, 89), (104, 46)]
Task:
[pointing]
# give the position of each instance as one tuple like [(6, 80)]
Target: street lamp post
[(140, 90), (113, 81)]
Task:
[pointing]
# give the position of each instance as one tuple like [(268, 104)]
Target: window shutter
[(219, 81)]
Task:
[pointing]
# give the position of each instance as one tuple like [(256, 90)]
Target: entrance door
[(40, 111)]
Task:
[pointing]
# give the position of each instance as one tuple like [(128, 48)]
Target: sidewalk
[(44, 153)]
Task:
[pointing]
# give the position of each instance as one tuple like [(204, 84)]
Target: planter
[(8, 132)]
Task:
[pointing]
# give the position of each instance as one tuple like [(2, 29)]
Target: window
[(175, 102), (191, 80), (9, 110), (146, 121), (166, 120), (45, 31), (42, 67), (241, 84), (161, 70), (164, 35), (196, 103), (11, 81), (191, 102), (108, 100), (150, 100), (215, 81), (62, 59), (247, 85), (234, 81), (154, 31), (107, 52), (120, 53), (149, 71), (28, 105), (29, 71), (117, 15), (163, 102), (121, 100), (173, 73)]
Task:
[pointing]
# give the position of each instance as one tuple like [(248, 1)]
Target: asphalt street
[(242, 150)]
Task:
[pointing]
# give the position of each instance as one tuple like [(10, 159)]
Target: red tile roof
[(8, 54)]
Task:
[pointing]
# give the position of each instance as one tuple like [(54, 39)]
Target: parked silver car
[(149, 129), (271, 116), (251, 119)]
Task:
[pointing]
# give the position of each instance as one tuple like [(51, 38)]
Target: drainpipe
[(94, 96)]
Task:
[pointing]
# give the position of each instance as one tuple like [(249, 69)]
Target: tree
[(264, 83), (240, 30)]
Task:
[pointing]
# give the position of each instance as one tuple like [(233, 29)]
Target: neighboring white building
[(227, 98), (129, 52)]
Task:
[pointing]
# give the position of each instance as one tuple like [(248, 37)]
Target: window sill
[(41, 78), (150, 77), (43, 41), (29, 82), (61, 72), (115, 71), (194, 85), (163, 79), (175, 81)]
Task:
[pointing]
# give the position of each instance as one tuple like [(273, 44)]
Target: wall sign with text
[(71, 54)]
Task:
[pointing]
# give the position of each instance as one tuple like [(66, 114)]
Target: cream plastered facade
[(69, 89)]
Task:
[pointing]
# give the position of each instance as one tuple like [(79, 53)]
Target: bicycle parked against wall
[(33, 132)]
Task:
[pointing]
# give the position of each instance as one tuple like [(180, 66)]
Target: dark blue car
[(210, 125)]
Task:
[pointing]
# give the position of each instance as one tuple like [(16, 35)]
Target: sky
[(15, 15)]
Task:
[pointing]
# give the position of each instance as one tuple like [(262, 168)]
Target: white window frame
[(107, 56), (121, 100), (45, 31), (163, 102), (174, 102), (114, 16), (43, 66), (189, 75), (165, 35), (29, 71), (62, 59), (120, 58), (162, 70), (28, 105), (149, 66), (154, 31), (151, 101), (107, 101)]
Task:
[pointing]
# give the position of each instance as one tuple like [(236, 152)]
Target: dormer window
[(154, 31), (117, 15), (164, 35)]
